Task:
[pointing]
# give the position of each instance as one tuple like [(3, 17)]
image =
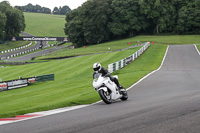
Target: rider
[(98, 69)]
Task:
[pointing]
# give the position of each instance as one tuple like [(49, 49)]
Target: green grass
[(103, 47), (49, 25), (12, 44), (120, 44), (73, 81), (171, 40), (198, 46)]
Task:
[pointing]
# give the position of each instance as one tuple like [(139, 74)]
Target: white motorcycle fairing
[(103, 88), (105, 84)]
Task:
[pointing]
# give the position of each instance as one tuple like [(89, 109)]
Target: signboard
[(17, 83), (31, 80), (39, 39), (61, 39), (3, 86)]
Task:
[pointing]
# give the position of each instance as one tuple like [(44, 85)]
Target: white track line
[(45, 113), (152, 71), (196, 48), (61, 110)]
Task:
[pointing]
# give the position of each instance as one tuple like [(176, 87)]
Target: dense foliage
[(62, 10), (11, 21), (38, 9), (101, 20), (32, 8)]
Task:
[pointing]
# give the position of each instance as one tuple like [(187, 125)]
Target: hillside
[(40, 24)]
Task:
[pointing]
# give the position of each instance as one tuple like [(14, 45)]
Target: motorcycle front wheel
[(105, 96), (124, 96)]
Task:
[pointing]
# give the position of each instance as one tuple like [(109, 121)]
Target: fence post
[(114, 67), (119, 65)]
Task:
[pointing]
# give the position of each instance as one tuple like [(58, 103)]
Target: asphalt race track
[(168, 101), (35, 54), (32, 55)]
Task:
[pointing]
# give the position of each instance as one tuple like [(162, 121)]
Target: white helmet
[(97, 67)]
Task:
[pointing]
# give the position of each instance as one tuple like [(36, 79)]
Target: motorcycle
[(107, 89)]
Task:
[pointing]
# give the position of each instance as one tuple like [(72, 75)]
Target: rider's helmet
[(97, 67)]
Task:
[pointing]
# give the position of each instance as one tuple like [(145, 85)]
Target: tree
[(74, 28), (2, 25), (101, 20), (38, 8), (32, 8), (189, 17), (168, 15), (89, 23), (46, 10), (159, 12), (56, 10), (126, 18), (95, 16), (15, 22), (64, 10)]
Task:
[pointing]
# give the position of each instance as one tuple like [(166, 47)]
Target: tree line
[(61, 10), (32, 8), (103, 20), (38, 9), (12, 21)]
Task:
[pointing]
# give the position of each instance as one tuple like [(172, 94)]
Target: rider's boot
[(121, 88)]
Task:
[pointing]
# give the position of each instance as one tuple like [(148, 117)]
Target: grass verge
[(40, 24), (198, 46)]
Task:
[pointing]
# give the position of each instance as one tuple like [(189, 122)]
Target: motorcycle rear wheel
[(105, 96)]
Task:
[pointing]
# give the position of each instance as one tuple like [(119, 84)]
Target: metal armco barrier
[(22, 82), (122, 63)]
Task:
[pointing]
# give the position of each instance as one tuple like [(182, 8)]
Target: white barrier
[(20, 53), (122, 63), (7, 51), (17, 54)]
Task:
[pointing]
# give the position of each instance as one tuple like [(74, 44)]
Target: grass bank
[(12, 44), (73, 80), (40, 24), (104, 47), (120, 44)]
